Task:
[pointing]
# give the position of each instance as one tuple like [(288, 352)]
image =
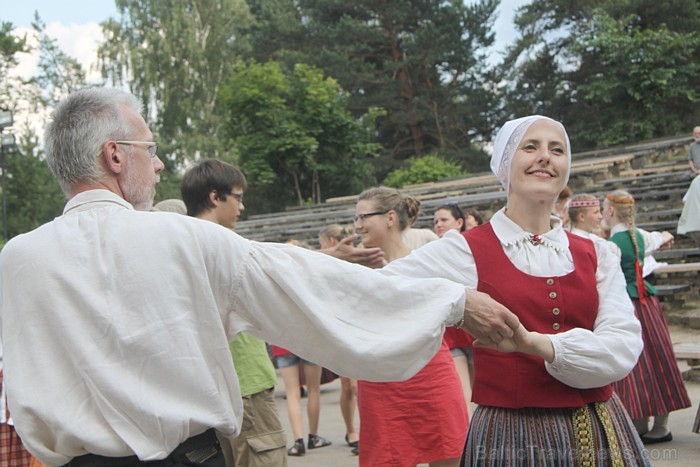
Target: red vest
[(548, 305)]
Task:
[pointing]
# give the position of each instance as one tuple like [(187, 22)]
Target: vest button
[(552, 295), (550, 281), (555, 326), (556, 311)]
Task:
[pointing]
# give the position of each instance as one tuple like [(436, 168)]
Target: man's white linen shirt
[(115, 325), (583, 358)]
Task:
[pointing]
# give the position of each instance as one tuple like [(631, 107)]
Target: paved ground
[(683, 451)]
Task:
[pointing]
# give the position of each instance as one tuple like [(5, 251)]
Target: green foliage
[(423, 62), (59, 74), (424, 169), (174, 55), (614, 71), (638, 74), (294, 136), (33, 196), (10, 45)]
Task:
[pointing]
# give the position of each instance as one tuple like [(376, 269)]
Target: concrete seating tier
[(654, 172)]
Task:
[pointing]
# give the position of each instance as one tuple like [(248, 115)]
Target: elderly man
[(694, 152), (115, 322)]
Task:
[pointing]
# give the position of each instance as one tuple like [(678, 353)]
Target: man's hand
[(346, 250), (488, 320)]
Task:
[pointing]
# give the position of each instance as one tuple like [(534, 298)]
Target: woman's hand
[(522, 341)]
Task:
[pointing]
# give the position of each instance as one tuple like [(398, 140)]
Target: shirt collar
[(511, 234), (619, 228), (95, 198)]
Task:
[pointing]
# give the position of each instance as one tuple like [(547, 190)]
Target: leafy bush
[(422, 170)]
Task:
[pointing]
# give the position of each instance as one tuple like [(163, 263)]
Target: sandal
[(352, 444), (298, 449), (316, 441)]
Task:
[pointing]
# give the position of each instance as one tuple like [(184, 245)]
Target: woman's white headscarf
[(507, 141)]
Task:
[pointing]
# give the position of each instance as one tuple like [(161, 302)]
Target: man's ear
[(214, 199), (112, 158)]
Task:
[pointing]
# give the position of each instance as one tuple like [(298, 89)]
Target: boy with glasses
[(213, 190)]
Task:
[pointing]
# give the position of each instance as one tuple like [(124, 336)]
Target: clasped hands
[(495, 327)]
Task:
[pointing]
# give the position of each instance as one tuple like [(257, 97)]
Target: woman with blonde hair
[(422, 420), (544, 396), (585, 215), (654, 387)]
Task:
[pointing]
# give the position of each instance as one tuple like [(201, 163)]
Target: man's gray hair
[(80, 125)]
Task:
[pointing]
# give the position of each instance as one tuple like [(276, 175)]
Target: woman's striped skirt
[(598, 434), (655, 385)]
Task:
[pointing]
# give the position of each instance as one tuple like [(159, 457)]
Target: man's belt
[(195, 449)]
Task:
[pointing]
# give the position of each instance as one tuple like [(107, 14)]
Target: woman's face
[(589, 219), (471, 222), (540, 165), (373, 228), (608, 214), (443, 220)]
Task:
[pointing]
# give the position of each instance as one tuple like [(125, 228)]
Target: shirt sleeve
[(357, 321), (449, 257), (589, 359)]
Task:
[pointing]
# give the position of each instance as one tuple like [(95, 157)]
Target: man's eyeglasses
[(151, 146), (238, 196), (361, 217)]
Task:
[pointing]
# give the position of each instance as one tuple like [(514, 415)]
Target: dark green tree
[(295, 139), (10, 45), (59, 74), (423, 62), (615, 71), (33, 196)]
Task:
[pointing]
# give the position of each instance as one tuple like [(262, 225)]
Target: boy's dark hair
[(207, 176)]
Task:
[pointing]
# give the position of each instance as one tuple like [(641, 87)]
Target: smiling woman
[(544, 396), (435, 430)]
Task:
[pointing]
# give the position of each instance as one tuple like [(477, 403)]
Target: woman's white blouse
[(583, 358)]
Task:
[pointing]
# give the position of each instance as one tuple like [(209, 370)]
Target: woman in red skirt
[(655, 386), (422, 420)]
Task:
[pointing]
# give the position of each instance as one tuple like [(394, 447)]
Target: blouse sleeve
[(588, 359), (449, 257), (652, 241), (359, 322)]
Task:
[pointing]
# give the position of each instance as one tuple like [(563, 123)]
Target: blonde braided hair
[(623, 202)]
